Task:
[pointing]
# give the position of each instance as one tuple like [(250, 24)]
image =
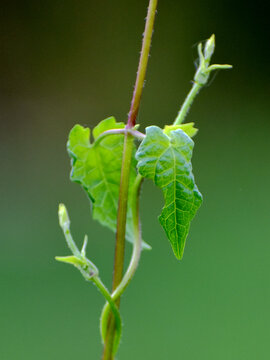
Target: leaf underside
[(166, 159), (97, 167)]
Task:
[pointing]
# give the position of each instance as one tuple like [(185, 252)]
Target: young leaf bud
[(63, 217), (209, 49)]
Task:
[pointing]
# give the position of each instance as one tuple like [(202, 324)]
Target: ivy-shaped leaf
[(166, 159), (97, 167)]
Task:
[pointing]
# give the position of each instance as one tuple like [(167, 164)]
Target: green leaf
[(97, 167), (166, 159), (73, 260), (188, 128)]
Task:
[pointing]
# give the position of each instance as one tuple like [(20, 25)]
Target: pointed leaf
[(166, 159), (73, 260), (97, 167)]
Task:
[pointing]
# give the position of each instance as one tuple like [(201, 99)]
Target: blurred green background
[(68, 62)]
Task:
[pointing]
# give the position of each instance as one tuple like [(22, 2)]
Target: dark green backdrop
[(68, 62)]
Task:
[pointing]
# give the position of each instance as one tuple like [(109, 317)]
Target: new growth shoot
[(201, 76)]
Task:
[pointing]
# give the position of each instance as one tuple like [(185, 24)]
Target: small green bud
[(209, 48), (63, 217)]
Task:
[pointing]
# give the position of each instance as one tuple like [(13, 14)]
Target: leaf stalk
[(135, 133)]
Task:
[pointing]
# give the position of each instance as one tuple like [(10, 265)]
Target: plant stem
[(149, 25), (120, 239), (137, 240), (122, 211), (124, 183), (187, 103), (102, 288), (137, 245)]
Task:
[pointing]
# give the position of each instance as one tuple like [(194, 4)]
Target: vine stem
[(125, 172), (147, 37), (136, 253), (187, 103), (102, 288)]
